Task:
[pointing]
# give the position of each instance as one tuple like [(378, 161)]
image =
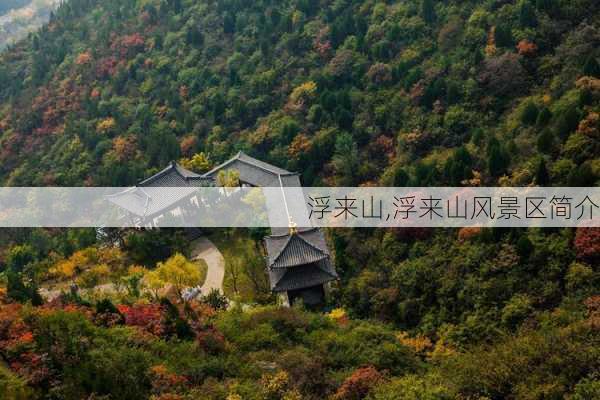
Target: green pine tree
[(527, 16), (428, 11), (591, 67), (541, 174)]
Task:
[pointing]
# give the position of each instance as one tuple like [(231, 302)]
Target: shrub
[(587, 243), (358, 385), (215, 299), (413, 387), (529, 113), (516, 310)]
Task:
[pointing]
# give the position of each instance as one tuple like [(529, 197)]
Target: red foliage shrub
[(504, 75), (358, 385), (14, 332), (527, 48), (188, 144), (211, 341), (146, 316), (34, 367), (322, 44), (587, 244), (107, 67), (128, 45), (382, 146), (468, 232)]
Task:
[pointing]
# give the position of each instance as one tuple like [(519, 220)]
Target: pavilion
[(299, 263)]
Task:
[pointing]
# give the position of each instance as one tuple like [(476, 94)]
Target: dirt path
[(206, 250)]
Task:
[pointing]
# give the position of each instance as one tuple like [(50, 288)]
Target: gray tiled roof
[(303, 276), (151, 200), (174, 175), (285, 250), (298, 260), (148, 199), (256, 173), (290, 251)]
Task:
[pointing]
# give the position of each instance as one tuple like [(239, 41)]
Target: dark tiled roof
[(303, 247), (174, 175), (303, 276), (292, 252), (256, 173), (149, 199), (299, 260)]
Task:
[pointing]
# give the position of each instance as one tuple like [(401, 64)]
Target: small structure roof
[(295, 249), (257, 173), (301, 277), (174, 175)]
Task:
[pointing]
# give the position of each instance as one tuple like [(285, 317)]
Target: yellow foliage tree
[(228, 178), (106, 125), (198, 163), (303, 93), (177, 271)]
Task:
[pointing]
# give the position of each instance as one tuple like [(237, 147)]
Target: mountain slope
[(348, 92), (358, 87)]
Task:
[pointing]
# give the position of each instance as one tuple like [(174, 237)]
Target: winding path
[(202, 248)]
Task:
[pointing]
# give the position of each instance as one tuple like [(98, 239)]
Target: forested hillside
[(397, 93), (410, 91)]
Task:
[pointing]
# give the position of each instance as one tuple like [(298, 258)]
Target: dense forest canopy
[(348, 92), (404, 92)]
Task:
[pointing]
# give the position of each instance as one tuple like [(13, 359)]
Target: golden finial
[(293, 227)]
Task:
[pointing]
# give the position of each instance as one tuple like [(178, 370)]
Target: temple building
[(299, 264)]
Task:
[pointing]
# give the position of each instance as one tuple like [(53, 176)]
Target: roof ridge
[(222, 165), (300, 231), (282, 249), (179, 169), (241, 153), (312, 245), (157, 175)]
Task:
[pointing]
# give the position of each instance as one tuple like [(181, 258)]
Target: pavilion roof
[(257, 173), (149, 198), (301, 277), (302, 247)]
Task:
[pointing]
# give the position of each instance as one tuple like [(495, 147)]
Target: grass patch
[(245, 271)]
